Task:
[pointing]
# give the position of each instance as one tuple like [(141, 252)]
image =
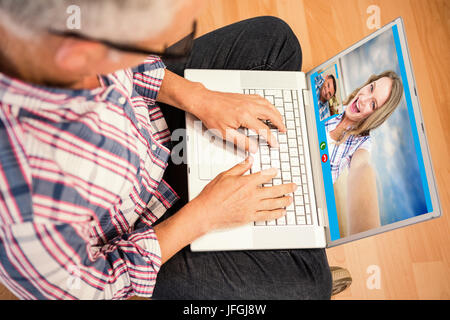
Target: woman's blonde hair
[(379, 116)]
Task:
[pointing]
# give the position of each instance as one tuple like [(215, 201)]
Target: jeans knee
[(281, 29), (277, 31)]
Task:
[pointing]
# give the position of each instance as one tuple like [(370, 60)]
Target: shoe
[(341, 279)]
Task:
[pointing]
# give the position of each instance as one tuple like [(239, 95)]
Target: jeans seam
[(265, 66)]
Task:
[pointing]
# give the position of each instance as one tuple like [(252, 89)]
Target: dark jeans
[(264, 43)]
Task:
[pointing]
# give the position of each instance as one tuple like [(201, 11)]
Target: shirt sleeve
[(54, 261), (365, 143), (148, 77)]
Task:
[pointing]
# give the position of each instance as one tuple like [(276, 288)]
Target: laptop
[(334, 202)]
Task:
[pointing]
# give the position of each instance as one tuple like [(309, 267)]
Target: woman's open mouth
[(354, 107)]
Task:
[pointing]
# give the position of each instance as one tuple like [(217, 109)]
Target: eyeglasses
[(177, 52)]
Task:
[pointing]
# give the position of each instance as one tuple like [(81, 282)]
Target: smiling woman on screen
[(349, 143)]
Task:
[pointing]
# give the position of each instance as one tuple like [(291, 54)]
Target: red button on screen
[(324, 158)]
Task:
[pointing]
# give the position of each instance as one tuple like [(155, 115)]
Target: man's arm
[(179, 92)]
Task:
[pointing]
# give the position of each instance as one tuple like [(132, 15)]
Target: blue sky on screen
[(393, 155)]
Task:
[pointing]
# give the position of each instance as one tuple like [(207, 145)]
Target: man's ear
[(74, 55)]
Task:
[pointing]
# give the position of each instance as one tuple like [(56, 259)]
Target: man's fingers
[(276, 203), (277, 191), (263, 176), (268, 215), (260, 128), (269, 112)]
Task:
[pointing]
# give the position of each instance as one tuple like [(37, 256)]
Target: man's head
[(40, 56), (328, 89)]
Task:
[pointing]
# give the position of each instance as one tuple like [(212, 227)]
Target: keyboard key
[(281, 221), (287, 96), (269, 92), (276, 182), (308, 219), (272, 223), (290, 218), (289, 115), (297, 181), (278, 103), (294, 162), (286, 176), (282, 138), (264, 150), (291, 207), (256, 167), (276, 164), (284, 156), (292, 143), (290, 124), (298, 200), (295, 171), (301, 220), (294, 152), (265, 159), (291, 133), (300, 210), (285, 167), (260, 223)]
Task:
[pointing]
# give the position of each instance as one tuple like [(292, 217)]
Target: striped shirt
[(81, 186), (324, 107), (341, 155)]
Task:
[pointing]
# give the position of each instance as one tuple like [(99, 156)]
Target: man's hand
[(224, 112), (230, 200), (227, 112), (233, 199)]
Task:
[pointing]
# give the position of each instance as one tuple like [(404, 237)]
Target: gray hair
[(113, 20)]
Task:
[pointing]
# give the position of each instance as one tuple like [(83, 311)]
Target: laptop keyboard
[(291, 158)]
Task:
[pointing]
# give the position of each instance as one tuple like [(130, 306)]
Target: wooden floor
[(414, 262)]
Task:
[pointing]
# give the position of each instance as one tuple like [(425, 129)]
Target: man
[(325, 90), (85, 173)]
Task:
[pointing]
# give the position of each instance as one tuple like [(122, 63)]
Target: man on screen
[(325, 90)]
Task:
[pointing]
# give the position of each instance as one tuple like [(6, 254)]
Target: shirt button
[(154, 147), (122, 100)]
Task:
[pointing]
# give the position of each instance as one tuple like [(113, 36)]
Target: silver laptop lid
[(391, 183)]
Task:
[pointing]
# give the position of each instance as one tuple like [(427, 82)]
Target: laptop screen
[(372, 161)]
